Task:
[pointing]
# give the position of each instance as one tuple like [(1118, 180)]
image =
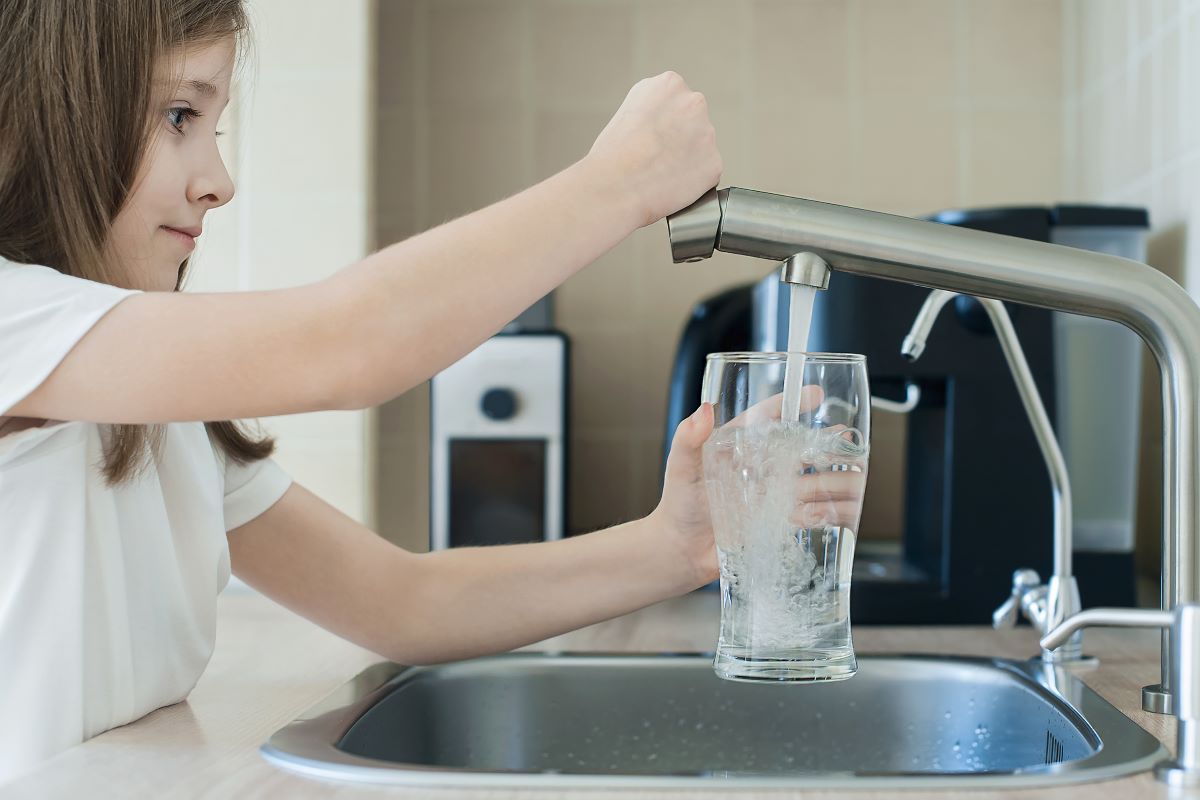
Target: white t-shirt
[(107, 596)]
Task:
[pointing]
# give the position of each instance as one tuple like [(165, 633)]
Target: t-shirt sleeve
[(43, 314), (250, 489)]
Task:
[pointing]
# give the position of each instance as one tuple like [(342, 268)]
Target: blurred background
[(360, 123)]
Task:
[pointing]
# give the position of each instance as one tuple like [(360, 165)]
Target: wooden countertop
[(270, 665)]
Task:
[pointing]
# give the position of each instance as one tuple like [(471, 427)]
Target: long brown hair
[(79, 82)]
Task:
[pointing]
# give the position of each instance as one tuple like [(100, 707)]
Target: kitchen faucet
[(983, 264), (1044, 605), (1183, 629)]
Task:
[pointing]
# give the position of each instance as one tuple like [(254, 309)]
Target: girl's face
[(181, 177)]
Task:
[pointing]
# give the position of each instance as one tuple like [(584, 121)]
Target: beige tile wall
[(1131, 135), (297, 144), (906, 106)]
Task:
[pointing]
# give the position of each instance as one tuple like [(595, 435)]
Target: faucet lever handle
[(1006, 615)]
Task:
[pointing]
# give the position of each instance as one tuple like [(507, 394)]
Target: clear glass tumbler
[(785, 480)]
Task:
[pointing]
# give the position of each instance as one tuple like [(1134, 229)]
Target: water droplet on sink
[(956, 747), (946, 715), (652, 756)]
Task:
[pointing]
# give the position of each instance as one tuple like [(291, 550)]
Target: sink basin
[(536, 719)]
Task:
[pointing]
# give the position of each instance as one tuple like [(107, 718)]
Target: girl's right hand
[(660, 146)]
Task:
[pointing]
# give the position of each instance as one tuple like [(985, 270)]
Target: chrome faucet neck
[(1044, 605)]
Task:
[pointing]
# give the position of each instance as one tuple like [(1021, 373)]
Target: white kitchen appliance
[(498, 450)]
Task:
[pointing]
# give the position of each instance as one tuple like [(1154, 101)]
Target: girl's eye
[(177, 115)]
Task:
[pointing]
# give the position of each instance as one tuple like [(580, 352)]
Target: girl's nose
[(212, 185)]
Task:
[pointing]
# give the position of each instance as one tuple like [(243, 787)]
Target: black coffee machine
[(977, 500)]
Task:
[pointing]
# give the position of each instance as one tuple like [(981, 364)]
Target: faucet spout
[(985, 264), (1045, 606), (1106, 617), (805, 269), (914, 343), (1039, 420)]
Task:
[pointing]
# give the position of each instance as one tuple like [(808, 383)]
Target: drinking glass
[(785, 479)]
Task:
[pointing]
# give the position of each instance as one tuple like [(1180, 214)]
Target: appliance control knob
[(499, 404)]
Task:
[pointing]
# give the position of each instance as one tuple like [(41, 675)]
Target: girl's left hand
[(683, 510), (825, 498)]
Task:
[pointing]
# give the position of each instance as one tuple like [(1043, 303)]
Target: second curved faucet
[(1046, 606)]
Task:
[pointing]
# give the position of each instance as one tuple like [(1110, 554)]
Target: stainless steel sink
[(532, 719)]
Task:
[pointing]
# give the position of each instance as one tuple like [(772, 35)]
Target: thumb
[(690, 437)]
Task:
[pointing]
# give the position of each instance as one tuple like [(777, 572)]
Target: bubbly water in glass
[(784, 482), (786, 548)]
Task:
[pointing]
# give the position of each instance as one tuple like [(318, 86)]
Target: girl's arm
[(459, 603), (394, 319)]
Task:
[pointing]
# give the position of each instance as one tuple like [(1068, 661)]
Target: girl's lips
[(186, 239)]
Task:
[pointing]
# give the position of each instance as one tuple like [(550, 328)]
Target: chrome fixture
[(1044, 605), (809, 269), (1183, 625), (805, 269), (984, 264), (912, 396)]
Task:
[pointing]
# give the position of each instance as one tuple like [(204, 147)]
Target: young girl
[(125, 502)]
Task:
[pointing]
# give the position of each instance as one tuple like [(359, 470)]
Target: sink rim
[(307, 745)]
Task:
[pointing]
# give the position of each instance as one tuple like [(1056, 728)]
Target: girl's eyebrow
[(202, 88)]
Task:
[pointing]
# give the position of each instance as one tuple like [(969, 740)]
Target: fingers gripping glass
[(785, 497)]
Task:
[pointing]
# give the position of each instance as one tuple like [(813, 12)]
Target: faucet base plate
[(1170, 773), (1156, 699), (1078, 662)]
